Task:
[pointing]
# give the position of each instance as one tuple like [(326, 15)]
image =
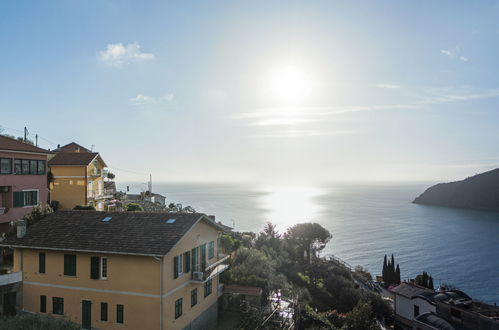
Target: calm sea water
[(459, 247)]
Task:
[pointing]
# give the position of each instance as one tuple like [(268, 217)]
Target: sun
[(289, 85)]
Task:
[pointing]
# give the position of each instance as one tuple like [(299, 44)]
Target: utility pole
[(25, 134), (36, 139), (150, 183)]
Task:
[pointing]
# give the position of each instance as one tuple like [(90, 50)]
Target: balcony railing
[(95, 173), (11, 278), (212, 270)]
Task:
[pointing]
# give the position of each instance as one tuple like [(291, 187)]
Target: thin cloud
[(142, 99), (118, 55), (454, 53)]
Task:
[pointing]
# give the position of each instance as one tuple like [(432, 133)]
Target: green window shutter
[(18, 199), (70, 264), (41, 262), (43, 304), (187, 261), (94, 268), (175, 267)]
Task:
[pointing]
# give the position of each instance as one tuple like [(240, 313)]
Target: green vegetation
[(133, 207), (328, 293), (36, 322), (424, 280), (391, 275), (84, 207)]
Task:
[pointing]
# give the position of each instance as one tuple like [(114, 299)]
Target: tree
[(111, 176), (310, 238), (134, 207), (385, 270), (37, 321), (424, 280), (397, 275), (361, 318), (84, 207)]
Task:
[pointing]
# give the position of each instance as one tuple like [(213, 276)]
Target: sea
[(367, 221)]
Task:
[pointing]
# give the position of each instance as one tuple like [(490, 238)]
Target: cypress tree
[(385, 266), (397, 274), (430, 283)]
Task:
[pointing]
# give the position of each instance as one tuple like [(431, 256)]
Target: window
[(33, 167), (25, 166), (203, 257), (211, 249), (120, 313), (43, 304), (178, 308), (57, 305), (177, 266), (207, 288), (25, 198), (18, 169), (95, 268), (41, 167), (5, 166), (103, 311), (416, 310), (70, 265), (195, 260), (187, 262), (103, 268), (41, 262), (194, 297)]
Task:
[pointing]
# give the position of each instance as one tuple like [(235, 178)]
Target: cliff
[(479, 192)]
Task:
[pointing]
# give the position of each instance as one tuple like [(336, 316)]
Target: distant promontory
[(479, 192)]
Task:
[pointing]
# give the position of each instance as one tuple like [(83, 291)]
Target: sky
[(258, 91)]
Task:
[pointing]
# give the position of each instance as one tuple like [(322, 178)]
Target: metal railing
[(211, 270)]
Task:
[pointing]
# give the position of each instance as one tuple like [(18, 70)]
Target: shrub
[(133, 207), (55, 205), (84, 207), (36, 322)]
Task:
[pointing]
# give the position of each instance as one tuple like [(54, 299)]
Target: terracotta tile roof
[(247, 290), (138, 233), (73, 158), (7, 143)]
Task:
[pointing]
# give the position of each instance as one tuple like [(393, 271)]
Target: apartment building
[(122, 270)]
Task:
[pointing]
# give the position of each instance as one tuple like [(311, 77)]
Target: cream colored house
[(122, 270)]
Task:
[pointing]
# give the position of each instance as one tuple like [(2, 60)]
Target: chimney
[(212, 217), (21, 228)]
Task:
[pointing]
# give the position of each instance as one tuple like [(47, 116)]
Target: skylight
[(106, 219), (171, 220)]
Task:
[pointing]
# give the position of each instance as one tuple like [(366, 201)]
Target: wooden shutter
[(95, 268), (41, 262), (43, 304), (175, 267), (18, 199), (187, 262)]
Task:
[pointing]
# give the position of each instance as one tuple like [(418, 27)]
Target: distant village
[(75, 249)]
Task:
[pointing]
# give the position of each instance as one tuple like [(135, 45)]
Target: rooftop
[(409, 290), (72, 147), (138, 233), (437, 322), (73, 158), (7, 143)]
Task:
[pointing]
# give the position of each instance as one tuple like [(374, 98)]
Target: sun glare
[(289, 85)]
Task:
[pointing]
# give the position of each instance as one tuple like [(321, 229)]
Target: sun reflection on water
[(286, 206)]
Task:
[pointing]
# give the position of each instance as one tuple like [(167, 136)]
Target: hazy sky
[(258, 90)]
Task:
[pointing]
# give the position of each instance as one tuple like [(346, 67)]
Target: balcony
[(95, 173), (11, 278), (211, 270)]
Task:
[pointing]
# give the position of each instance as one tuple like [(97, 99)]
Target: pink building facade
[(23, 180)]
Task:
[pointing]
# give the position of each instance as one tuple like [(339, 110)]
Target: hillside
[(479, 192)]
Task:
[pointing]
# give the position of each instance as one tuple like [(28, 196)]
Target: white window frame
[(37, 197), (102, 262), (89, 189)]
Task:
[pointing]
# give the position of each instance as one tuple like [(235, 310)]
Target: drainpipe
[(160, 292)]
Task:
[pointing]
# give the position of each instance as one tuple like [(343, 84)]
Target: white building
[(410, 301)]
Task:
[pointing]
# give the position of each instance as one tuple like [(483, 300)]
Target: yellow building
[(122, 270), (78, 178)]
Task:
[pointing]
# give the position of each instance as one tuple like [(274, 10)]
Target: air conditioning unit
[(198, 276)]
